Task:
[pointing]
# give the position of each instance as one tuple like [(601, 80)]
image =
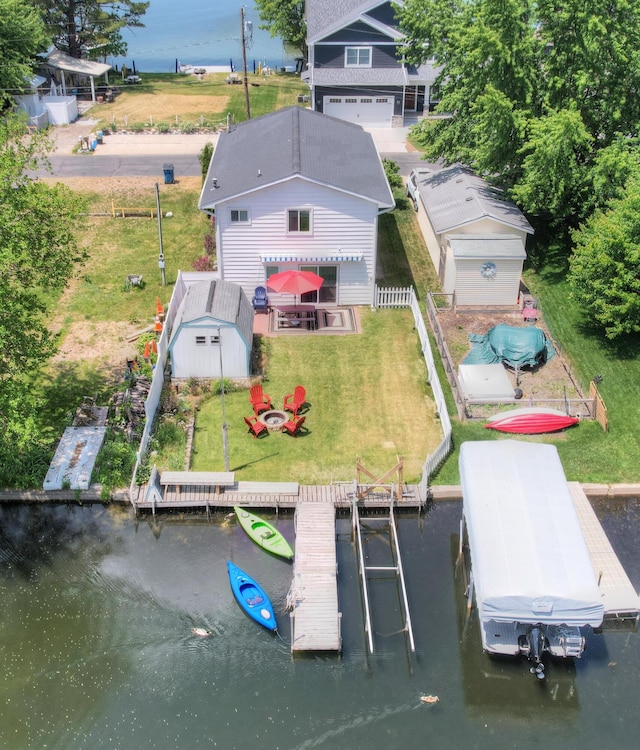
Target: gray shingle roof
[(486, 246), (454, 197), (218, 299), (324, 16), (397, 76), (295, 142)]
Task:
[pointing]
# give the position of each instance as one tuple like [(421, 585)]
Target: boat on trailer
[(531, 574), (263, 533), (531, 420), (251, 597)]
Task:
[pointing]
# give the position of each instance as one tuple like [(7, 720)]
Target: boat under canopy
[(531, 567)]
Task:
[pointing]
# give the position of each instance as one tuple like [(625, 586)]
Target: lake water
[(198, 32), (97, 649)]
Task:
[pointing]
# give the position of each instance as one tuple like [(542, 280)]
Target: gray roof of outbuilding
[(326, 16), (486, 246), (295, 142), (454, 197), (217, 299)]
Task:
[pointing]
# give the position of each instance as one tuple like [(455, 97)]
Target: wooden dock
[(313, 597), (619, 596)]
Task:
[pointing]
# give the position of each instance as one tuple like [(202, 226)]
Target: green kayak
[(263, 533)]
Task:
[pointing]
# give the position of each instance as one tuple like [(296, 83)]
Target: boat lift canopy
[(529, 558)]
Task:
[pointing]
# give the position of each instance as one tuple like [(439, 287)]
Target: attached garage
[(361, 110)]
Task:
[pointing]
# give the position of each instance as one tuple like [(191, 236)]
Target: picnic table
[(290, 316)]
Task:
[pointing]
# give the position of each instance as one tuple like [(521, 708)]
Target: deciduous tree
[(91, 28), (285, 18), (22, 37), (38, 255)]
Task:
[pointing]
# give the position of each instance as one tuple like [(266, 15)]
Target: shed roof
[(530, 560), (61, 61), (476, 246), (292, 142), (455, 197), (218, 300)]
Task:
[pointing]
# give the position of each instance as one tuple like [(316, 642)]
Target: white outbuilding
[(476, 239), (212, 331)]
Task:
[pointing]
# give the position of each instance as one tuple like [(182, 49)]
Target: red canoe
[(531, 421)]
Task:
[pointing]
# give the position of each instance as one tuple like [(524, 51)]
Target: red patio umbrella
[(295, 282)]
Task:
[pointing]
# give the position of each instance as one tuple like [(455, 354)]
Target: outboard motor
[(535, 642)]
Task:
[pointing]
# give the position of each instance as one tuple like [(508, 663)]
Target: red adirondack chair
[(259, 399), (255, 427), (293, 425), (293, 401)]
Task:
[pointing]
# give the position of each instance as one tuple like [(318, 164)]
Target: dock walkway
[(313, 597), (619, 596)]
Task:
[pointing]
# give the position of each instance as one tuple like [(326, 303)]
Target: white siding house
[(475, 238), (306, 194), (213, 329)]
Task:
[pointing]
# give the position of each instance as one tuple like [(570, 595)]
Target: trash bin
[(100, 136), (168, 174)]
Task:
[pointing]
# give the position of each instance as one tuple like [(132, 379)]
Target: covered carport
[(69, 72)]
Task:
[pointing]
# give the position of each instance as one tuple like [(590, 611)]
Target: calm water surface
[(97, 649), (198, 32)]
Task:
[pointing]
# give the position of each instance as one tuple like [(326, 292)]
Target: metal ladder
[(397, 569)]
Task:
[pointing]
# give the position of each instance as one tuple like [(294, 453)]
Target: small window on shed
[(201, 340), (214, 339)]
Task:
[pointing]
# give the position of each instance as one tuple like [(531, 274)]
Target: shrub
[(137, 127), (188, 127), (163, 127), (205, 263)]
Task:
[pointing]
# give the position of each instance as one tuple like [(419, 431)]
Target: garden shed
[(476, 239), (212, 330)]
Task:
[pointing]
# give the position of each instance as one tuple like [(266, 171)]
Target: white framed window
[(357, 57), (201, 340), (298, 220), (239, 215)]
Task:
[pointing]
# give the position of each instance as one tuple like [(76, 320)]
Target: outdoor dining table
[(293, 315)]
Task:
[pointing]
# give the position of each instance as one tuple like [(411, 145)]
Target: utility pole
[(161, 251), (244, 63)]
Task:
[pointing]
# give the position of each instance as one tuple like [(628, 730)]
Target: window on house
[(358, 57), (299, 220), (240, 215), (201, 340)]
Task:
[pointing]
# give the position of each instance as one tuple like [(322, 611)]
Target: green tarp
[(516, 347)]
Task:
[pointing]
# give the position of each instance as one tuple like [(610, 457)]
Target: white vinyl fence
[(406, 297)]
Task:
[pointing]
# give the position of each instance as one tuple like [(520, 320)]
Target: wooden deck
[(619, 596), (268, 495), (313, 597)]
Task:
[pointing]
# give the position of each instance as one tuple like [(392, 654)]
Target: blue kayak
[(251, 597)]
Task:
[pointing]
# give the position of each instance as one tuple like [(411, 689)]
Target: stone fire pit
[(274, 419)]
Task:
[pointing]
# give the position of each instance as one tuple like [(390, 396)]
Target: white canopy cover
[(529, 557)]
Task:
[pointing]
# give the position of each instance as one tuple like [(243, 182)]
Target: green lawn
[(368, 397)]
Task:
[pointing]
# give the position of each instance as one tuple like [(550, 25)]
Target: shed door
[(362, 110)]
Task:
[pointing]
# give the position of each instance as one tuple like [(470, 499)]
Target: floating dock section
[(313, 597)]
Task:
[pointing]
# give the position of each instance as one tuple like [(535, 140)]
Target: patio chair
[(255, 427), (260, 301), (259, 400), (293, 402), (293, 425)]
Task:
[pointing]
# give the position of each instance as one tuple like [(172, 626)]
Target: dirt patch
[(102, 345), (547, 385), (123, 186), (163, 107)]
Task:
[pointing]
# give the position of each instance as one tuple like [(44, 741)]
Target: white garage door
[(363, 110)]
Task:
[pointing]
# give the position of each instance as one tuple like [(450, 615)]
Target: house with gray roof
[(297, 189), (212, 329), (355, 69), (475, 237)]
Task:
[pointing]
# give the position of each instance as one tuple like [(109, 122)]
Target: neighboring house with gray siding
[(476, 239), (213, 327), (296, 189), (355, 69)]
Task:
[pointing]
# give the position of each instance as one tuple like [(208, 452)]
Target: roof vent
[(459, 179), (259, 173), (214, 182), (469, 198)]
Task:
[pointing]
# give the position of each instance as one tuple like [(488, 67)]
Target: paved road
[(143, 155)]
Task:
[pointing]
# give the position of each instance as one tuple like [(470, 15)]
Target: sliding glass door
[(328, 292)]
